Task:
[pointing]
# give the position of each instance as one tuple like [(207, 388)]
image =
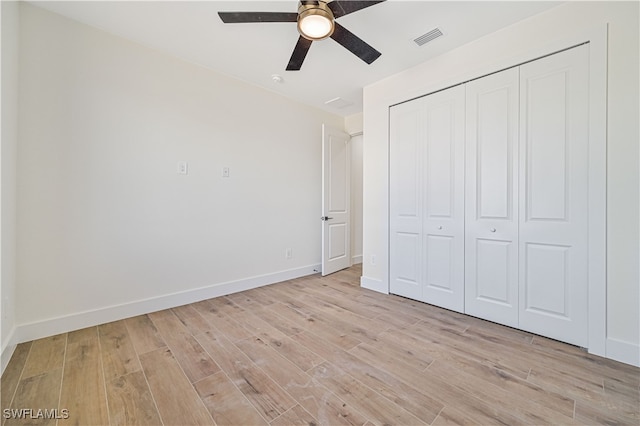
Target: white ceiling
[(192, 30)]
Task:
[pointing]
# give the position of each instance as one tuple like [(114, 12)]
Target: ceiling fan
[(316, 21)]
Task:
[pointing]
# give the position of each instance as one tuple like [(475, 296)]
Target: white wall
[(498, 49), (353, 126), (106, 227), (8, 149)]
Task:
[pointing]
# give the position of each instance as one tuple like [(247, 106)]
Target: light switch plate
[(183, 167)]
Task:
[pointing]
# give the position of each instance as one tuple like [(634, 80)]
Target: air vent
[(426, 38), (338, 103)]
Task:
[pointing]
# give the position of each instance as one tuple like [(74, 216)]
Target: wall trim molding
[(78, 320), (7, 351), (356, 259), (374, 284), (622, 351)]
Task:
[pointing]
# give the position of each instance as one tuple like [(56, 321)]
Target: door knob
[(325, 218)]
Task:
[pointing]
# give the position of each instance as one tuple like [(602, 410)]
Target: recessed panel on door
[(553, 202), (493, 271), (440, 153), (491, 190), (338, 169), (338, 234), (547, 280), (407, 264)]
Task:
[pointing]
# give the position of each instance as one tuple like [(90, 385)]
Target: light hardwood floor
[(315, 351)]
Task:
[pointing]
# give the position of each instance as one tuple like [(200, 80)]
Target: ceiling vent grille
[(338, 103), (430, 36)]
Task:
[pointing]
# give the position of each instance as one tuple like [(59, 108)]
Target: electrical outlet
[(288, 253), (373, 259), (225, 172)]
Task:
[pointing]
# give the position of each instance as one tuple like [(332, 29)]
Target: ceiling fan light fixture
[(315, 22)]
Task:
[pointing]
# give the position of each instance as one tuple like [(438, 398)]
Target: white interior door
[(336, 201), (491, 204), (554, 144), (427, 199)]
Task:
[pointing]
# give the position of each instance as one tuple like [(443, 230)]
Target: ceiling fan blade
[(345, 7), (299, 53), (248, 17), (354, 44)]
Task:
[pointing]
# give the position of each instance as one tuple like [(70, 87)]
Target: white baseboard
[(76, 321), (622, 351), (373, 284), (7, 351), (356, 259)]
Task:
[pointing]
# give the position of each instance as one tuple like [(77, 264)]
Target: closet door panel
[(443, 219), (491, 234), (553, 202), (405, 225)]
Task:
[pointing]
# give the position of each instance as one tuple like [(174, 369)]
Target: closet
[(488, 197)]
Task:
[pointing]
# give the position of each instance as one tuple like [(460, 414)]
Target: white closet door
[(553, 196), (427, 199), (491, 234), (405, 199), (443, 202)]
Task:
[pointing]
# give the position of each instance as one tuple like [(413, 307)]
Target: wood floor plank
[(420, 404), (226, 404), (530, 411), (297, 416), (194, 360), (581, 361), (40, 392), (130, 401), (144, 334), (83, 387), (320, 327), (308, 289), (391, 356), (297, 354), (443, 340), (45, 355), (247, 300), (214, 314), (622, 390), (265, 395), (11, 376), (177, 401), (282, 324), (309, 393), (373, 405), (363, 329), (451, 416), (118, 354), (414, 351), (589, 413), (191, 319), (467, 404), (551, 401)]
